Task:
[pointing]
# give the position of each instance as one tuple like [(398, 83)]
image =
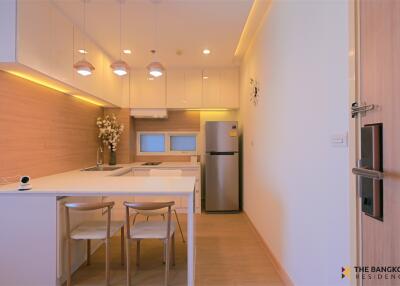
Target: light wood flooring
[(228, 253)]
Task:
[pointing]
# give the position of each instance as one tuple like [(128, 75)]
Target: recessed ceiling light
[(82, 51), (205, 77), (127, 51), (206, 51)]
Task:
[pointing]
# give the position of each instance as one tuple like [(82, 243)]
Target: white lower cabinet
[(181, 203)]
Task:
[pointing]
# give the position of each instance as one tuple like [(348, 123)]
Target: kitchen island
[(30, 224)]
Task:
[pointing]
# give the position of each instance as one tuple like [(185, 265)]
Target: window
[(166, 143), (182, 143), (152, 142)]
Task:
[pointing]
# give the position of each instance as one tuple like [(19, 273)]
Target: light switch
[(339, 140)]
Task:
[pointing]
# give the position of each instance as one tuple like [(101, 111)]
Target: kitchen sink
[(102, 168), (151, 164)]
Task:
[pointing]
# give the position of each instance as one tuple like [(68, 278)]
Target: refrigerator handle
[(222, 153)]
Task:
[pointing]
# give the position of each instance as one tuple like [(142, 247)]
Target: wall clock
[(254, 92)]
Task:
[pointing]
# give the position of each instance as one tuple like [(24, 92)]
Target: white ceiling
[(187, 25)]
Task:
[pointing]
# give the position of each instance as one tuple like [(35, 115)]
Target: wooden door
[(379, 75)]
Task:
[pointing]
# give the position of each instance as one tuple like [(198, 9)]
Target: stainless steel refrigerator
[(222, 166)]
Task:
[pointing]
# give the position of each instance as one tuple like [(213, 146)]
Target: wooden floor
[(228, 253)]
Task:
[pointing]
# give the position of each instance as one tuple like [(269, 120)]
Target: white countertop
[(166, 165), (97, 183)]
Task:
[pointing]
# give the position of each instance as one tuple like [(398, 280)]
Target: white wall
[(295, 181)]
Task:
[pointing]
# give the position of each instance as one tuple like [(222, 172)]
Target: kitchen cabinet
[(61, 48), (148, 92), (221, 88), (184, 88), (42, 44), (34, 34)]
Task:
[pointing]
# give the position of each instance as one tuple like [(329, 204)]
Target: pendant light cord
[(120, 29), (84, 29)]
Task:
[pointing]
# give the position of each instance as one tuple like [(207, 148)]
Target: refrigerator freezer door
[(222, 136), (222, 182)]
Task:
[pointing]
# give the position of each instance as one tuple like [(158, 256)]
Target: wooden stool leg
[(68, 249), (122, 245), (167, 260), (88, 252), (179, 225), (138, 253), (173, 249), (128, 262), (107, 261)]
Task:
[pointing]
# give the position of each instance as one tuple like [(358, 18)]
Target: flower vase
[(113, 158)]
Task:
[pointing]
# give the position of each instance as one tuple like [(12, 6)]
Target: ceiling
[(186, 25)]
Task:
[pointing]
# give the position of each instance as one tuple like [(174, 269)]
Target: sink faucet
[(99, 157)]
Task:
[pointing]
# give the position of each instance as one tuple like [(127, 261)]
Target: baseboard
[(281, 271)]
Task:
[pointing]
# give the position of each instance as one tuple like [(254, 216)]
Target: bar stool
[(162, 212), (162, 230), (92, 230)]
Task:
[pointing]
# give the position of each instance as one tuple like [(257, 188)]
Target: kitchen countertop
[(166, 165), (83, 183)]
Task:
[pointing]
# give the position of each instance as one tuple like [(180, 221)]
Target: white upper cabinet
[(221, 88), (61, 48), (45, 46), (148, 92), (184, 88), (34, 35)]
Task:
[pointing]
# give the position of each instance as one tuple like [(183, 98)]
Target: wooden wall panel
[(43, 131)]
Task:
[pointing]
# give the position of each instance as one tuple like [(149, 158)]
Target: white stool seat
[(96, 230), (151, 230)]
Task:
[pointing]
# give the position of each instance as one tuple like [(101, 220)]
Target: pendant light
[(155, 68), (120, 67), (83, 67)]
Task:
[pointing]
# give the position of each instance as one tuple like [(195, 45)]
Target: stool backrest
[(148, 206), (87, 207)]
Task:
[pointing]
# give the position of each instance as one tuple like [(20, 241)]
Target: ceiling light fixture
[(120, 68), (155, 68), (206, 52), (127, 52), (83, 67)]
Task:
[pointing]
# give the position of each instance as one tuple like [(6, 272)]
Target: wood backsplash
[(43, 131)]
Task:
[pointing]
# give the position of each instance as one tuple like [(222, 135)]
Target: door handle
[(367, 173)]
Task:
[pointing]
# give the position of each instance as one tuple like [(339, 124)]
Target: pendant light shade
[(120, 67), (84, 68), (155, 69)]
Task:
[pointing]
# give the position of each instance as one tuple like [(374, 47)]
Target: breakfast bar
[(30, 220)]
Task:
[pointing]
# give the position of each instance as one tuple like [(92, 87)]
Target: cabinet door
[(148, 92), (61, 56), (184, 88), (229, 88), (193, 88), (176, 89), (34, 35), (211, 88)]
